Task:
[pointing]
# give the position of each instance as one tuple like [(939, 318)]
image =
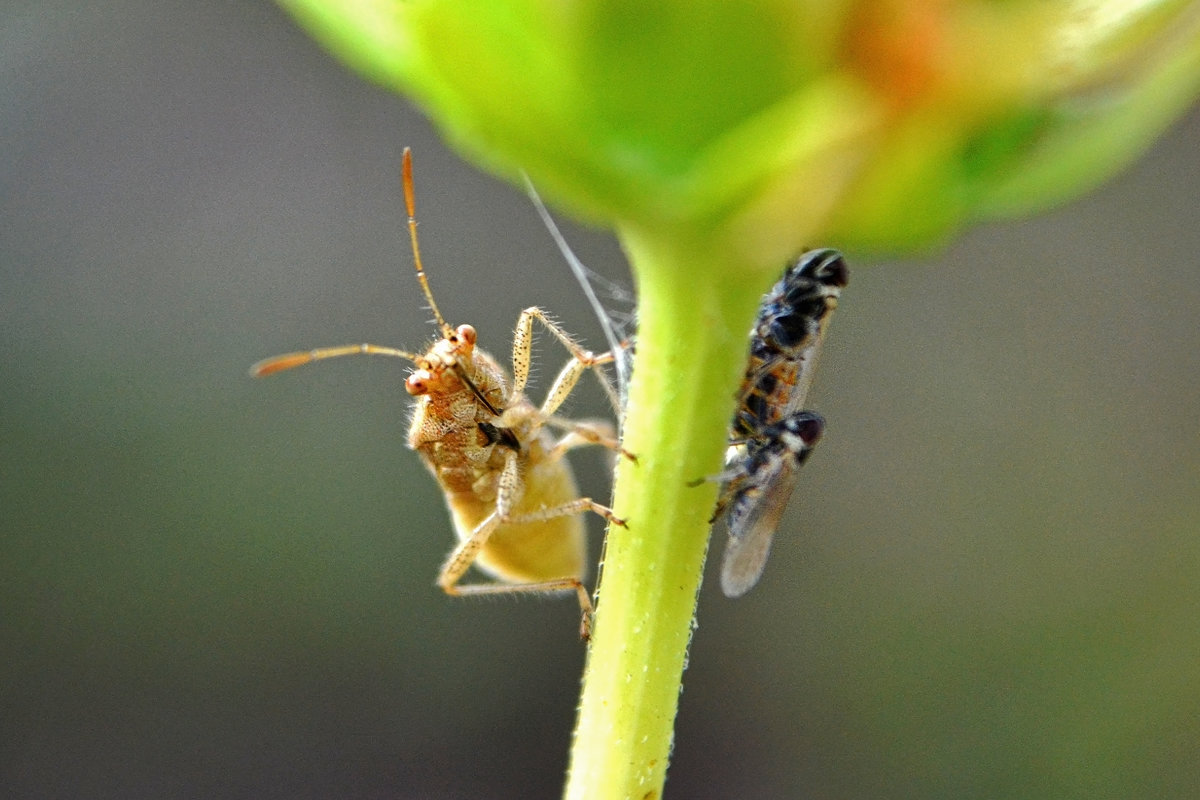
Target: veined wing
[(760, 494)]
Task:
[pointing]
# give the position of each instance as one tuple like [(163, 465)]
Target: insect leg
[(569, 376), (508, 494), (583, 434), (464, 555), (509, 490)]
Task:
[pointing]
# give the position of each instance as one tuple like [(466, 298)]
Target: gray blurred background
[(210, 586)]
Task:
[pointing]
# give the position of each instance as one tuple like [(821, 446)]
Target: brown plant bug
[(511, 494)]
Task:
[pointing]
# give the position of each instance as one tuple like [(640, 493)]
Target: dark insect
[(771, 435)]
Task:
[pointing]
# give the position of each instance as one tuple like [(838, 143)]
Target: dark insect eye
[(809, 427), (789, 330), (833, 270)]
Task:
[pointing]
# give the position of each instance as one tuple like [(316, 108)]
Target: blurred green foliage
[(881, 124)]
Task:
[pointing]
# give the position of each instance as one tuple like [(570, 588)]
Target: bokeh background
[(988, 587)]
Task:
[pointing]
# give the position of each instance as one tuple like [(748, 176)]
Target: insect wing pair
[(771, 435)]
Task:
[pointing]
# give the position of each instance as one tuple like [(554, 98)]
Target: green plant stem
[(694, 309)]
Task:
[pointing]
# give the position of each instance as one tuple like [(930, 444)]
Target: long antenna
[(411, 205), (270, 366)]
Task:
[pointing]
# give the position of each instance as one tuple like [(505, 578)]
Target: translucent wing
[(752, 522), (765, 476)]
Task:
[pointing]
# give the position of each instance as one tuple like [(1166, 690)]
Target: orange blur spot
[(898, 47)]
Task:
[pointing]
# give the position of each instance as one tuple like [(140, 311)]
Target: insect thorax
[(785, 339), (461, 440)]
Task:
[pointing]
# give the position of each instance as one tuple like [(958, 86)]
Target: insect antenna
[(269, 366), (410, 205), (292, 360)]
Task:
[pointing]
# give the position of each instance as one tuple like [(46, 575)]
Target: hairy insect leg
[(464, 556), (509, 492), (569, 375), (586, 609), (583, 434)]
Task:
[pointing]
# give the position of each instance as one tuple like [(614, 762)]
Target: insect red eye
[(416, 385), (466, 334)]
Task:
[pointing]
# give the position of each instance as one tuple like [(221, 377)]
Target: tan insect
[(510, 492)]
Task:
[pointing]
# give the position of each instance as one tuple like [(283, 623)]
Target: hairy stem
[(690, 356)]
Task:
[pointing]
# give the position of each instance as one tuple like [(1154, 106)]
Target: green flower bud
[(775, 123)]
